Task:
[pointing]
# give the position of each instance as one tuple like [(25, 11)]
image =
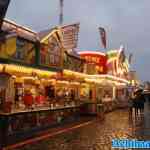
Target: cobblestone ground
[(97, 135)]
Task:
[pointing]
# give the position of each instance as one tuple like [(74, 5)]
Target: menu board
[(51, 53), (18, 49)]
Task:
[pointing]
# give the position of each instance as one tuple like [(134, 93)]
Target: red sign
[(97, 58)]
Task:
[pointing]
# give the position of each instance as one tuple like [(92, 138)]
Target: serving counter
[(20, 125)]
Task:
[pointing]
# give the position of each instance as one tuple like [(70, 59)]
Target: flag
[(130, 58), (121, 54), (103, 36)]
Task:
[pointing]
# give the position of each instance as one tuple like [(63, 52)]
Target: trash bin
[(100, 111)]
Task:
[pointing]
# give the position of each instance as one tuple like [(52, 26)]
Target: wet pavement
[(98, 135)]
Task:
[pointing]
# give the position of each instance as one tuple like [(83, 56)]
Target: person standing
[(130, 105), (28, 99)]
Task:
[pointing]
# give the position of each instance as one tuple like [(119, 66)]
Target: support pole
[(61, 12)]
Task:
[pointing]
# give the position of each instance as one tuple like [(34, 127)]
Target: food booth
[(31, 68), (95, 67), (118, 67), (43, 84), (108, 72)]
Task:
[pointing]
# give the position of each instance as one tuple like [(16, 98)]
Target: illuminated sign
[(99, 60), (117, 63)]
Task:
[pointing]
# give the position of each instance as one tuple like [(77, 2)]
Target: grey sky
[(126, 22)]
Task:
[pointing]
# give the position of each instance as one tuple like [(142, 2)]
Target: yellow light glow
[(108, 77), (75, 74), (117, 79), (19, 80), (62, 82), (43, 73), (26, 71), (1, 68), (51, 80), (48, 81), (75, 83), (37, 82), (29, 78), (14, 69), (96, 81)]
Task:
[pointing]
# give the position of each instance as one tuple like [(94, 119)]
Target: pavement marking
[(46, 136)]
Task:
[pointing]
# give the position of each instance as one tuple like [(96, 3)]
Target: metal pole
[(61, 12)]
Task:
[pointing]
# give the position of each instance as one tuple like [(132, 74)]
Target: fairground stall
[(32, 93), (110, 89), (118, 66), (95, 65)]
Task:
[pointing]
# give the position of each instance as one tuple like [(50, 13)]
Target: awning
[(25, 71)]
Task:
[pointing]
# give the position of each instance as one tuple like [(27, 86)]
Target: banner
[(70, 36), (3, 9), (103, 36), (121, 54)]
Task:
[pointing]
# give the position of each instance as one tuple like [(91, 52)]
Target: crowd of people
[(137, 102)]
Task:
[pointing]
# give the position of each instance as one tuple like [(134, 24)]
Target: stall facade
[(118, 66), (31, 83), (109, 74), (44, 82)]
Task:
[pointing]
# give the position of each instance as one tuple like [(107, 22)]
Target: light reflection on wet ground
[(98, 135)]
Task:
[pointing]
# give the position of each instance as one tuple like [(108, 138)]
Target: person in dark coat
[(139, 102), (130, 104)]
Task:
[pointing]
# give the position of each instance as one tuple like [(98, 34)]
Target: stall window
[(2, 96), (25, 51), (50, 53), (18, 49), (6, 91), (18, 91), (90, 94)]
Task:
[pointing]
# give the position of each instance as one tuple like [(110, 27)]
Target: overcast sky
[(126, 22)]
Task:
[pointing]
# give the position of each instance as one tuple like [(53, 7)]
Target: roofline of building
[(20, 26), (91, 52)]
